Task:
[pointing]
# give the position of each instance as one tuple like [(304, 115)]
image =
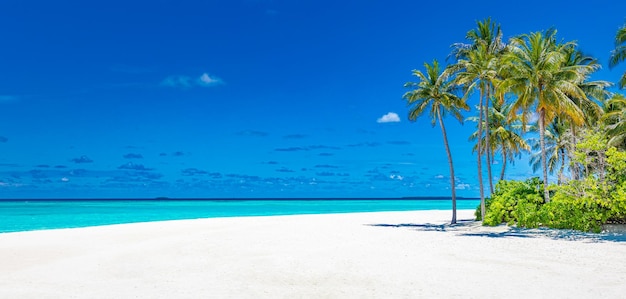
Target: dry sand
[(359, 255)]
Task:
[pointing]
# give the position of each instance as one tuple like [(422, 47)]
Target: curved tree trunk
[(480, 168), (487, 143), (452, 183), (544, 159), (503, 164)]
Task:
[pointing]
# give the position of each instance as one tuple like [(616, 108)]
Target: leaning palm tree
[(619, 53), (534, 71), (435, 93)]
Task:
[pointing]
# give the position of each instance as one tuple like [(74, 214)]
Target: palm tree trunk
[(480, 167), (544, 159), (503, 164), (601, 166), (562, 167), (574, 168), (487, 143), (452, 183)]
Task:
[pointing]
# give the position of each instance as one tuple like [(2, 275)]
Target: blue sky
[(244, 98)]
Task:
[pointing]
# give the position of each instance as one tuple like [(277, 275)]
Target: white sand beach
[(358, 255)]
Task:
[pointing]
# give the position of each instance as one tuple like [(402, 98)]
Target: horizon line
[(242, 198)]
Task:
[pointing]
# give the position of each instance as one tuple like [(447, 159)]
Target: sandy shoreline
[(357, 255)]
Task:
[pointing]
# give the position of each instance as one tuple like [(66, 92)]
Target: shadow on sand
[(473, 228)]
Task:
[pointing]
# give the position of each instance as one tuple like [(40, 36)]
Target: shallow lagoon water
[(25, 215)]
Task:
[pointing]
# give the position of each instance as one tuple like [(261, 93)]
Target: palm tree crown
[(619, 53), (434, 92), (615, 120)]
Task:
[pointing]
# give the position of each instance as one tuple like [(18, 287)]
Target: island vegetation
[(536, 97)]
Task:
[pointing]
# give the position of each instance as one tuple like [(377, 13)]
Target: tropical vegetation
[(535, 96)]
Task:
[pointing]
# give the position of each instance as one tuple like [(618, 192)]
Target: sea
[(27, 215)]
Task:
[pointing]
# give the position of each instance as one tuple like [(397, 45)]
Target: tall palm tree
[(534, 71), (619, 53), (476, 68), (435, 93)]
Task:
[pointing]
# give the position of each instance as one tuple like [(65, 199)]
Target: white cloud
[(206, 80), (390, 117), (184, 82), (396, 177), (462, 187)]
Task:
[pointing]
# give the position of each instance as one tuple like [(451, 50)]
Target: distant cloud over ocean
[(390, 117), (81, 159), (206, 80), (133, 166), (185, 82)]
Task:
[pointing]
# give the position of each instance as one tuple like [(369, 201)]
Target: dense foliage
[(586, 204)]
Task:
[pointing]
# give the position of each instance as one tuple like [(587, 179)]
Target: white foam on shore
[(357, 255)]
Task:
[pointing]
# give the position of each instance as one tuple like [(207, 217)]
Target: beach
[(414, 254)]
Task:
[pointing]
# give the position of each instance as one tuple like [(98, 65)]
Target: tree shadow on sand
[(471, 228)]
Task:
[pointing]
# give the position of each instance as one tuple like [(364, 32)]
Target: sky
[(246, 98)]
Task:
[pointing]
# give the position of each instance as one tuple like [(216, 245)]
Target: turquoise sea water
[(22, 215)]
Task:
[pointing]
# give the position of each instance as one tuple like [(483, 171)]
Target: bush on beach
[(586, 204), (521, 203)]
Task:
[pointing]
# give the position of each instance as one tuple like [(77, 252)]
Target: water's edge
[(25, 215)]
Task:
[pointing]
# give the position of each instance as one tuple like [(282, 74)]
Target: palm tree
[(505, 134), (476, 67), (435, 93), (535, 72), (619, 53), (558, 145), (615, 120), (595, 91)]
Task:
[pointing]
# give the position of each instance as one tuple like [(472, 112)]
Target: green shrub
[(527, 211), (617, 204), (513, 199), (585, 204), (477, 212), (568, 212), (580, 205)]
